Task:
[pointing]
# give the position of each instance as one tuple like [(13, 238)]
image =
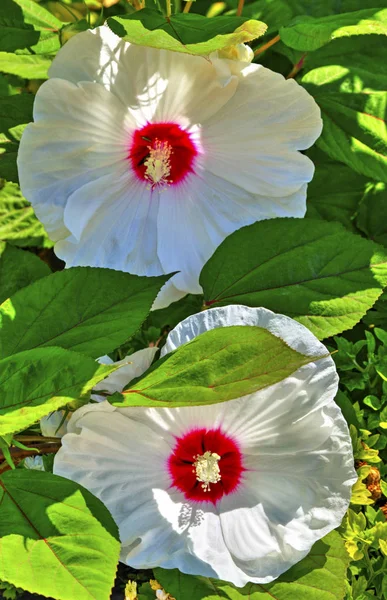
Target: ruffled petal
[(269, 118)]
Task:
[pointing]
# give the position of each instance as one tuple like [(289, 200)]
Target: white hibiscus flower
[(238, 490), (144, 160)]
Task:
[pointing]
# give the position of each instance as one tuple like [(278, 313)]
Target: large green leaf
[(56, 538), (25, 65), (319, 576), (18, 222), (18, 268), (307, 33), (89, 310), (36, 382), (218, 365), (316, 272), (188, 33)]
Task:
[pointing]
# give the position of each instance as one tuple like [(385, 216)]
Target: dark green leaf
[(56, 538), (15, 110), (14, 32), (319, 576), (89, 310), (36, 382), (334, 193), (372, 216), (18, 222), (275, 13), (218, 365), (47, 26), (316, 272), (18, 269), (188, 33), (176, 312), (307, 33), (347, 409)]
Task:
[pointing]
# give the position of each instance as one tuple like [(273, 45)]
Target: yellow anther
[(207, 469)]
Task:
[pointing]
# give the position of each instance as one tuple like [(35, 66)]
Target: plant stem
[(169, 8), (241, 4), (267, 45), (297, 67), (43, 449), (187, 7)]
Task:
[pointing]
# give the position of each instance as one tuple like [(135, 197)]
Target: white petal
[(270, 119), (154, 84), (116, 228), (131, 366), (80, 134)]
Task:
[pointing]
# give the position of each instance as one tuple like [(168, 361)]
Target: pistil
[(158, 164), (207, 469)]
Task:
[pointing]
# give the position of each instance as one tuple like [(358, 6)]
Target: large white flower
[(144, 160), (238, 490)]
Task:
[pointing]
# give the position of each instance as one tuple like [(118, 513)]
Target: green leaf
[(188, 33), (334, 194), (274, 13), (319, 576), (18, 222), (89, 310), (14, 32), (354, 121), (169, 317), (43, 22), (308, 34), (347, 409), (18, 269), (36, 382), (218, 365), (372, 215), (56, 538), (348, 65), (316, 272), (15, 110), (8, 155), (25, 65)]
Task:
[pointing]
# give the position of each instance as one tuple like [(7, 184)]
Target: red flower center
[(162, 153), (205, 465)]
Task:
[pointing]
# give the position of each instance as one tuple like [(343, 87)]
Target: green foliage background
[(328, 271)]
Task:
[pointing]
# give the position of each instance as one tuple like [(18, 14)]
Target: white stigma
[(207, 469), (158, 163)]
